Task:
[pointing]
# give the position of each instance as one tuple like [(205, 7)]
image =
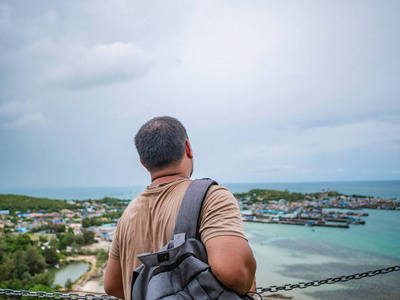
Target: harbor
[(312, 218), (325, 209)]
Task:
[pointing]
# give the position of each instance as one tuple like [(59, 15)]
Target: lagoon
[(73, 271)]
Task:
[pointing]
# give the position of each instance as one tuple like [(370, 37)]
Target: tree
[(42, 239), (20, 263), (3, 249), (19, 243), (50, 255), (95, 221), (88, 236), (79, 239), (59, 228), (45, 278), (102, 257), (7, 268), (35, 262), (68, 284), (40, 288), (66, 240)]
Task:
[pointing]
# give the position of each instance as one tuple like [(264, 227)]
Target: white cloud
[(325, 140), (21, 114), (50, 17), (5, 14), (25, 121), (17, 108), (230, 43), (69, 65), (103, 64)]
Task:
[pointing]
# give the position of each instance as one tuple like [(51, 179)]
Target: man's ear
[(143, 165), (189, 152)]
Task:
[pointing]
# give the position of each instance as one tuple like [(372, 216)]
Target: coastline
[(292, 254)]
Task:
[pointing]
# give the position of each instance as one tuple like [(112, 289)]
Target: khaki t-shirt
[(148, 222)]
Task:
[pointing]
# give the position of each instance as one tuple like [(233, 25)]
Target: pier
[(296, 222)]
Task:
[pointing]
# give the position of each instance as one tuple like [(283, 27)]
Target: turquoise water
[(380, 234), (292, 254)]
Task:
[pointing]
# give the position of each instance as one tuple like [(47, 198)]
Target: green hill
[(24, 204)]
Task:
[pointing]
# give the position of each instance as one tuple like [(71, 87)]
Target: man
[(147, 223)]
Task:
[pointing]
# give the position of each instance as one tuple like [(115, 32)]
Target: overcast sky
[(269, 91)]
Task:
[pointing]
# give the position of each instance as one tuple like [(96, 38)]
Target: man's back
[(148, 222)]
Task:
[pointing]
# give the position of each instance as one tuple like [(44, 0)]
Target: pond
[(74, 270)]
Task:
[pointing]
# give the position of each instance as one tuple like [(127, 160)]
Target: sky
[(269, 91)]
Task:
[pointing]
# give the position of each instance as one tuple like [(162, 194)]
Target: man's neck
[(166, 179), (181, 170)]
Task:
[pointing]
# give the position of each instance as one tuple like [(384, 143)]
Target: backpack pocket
[(190, 280)]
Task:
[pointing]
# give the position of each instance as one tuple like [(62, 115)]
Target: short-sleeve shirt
[(148, 222)]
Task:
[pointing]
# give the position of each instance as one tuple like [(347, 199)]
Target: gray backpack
[(180, 270)]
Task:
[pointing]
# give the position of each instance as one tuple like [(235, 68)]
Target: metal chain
[(344, 278), (56, 295), (260, 290)]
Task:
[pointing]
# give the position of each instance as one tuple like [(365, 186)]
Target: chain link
[(260, 290)]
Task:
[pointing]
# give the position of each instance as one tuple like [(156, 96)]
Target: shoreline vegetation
[(38, 233)]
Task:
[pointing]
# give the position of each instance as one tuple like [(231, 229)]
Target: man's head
[(161, 142)]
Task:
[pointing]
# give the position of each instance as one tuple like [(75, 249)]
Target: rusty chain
[(260, 290)]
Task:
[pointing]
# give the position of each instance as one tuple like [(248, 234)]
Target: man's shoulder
[(220, 194), (220, 190)]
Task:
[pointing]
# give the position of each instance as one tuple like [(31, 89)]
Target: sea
[(290, 254)]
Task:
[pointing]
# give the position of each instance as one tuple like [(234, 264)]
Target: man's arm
[(232, 262), (113, 279)]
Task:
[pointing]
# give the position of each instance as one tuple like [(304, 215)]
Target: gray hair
[(160, 142)]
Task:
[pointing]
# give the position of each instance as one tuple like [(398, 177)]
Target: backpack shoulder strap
[(189, 212)]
